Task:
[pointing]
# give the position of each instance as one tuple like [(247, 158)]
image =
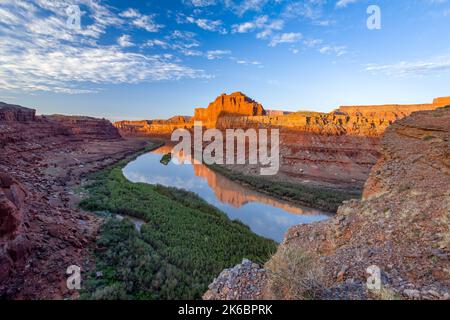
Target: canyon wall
[(335, 149), (401, 226), (239, 111), (236, 104), (10, 112), (40, 234)]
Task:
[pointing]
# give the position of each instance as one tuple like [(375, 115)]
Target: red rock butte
[(239, 111), (235, 104)]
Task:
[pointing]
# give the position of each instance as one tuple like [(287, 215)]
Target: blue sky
[(154, 59)]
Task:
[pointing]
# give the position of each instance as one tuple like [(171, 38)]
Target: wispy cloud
[(125, 41), (433, 66), (291, 37), (337, 50), (205, 24), (217, 54), (344, 3), (40, 53), (142, 21), (238, 7)]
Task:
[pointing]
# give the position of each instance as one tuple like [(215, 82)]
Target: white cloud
[(157, 43), (39, 52), (200, 3), (424, 67), (141, 21), (338, 50), (243, 27), (130, 13), (344, 3), (246, 5), (209, 25), (290, 37), (307, 9), (125, 41), (248, 62), (238, 7), (217, 54)]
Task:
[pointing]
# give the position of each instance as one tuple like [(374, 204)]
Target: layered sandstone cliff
[(239, 111), (401, 225), (10, 112), (236, 104), (41, 233), (334, 149)]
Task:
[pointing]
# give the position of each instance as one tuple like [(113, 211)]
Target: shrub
[(183, 245), (428, 138), (317, 197), (294, 274)]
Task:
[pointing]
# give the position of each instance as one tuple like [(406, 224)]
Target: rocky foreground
[(42, 161), (401, 226)]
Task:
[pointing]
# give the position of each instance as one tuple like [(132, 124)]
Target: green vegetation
[(166, 159), (295, 274), (316, 197), (428, 138), (184, 244)]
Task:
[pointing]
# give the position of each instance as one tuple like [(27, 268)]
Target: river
[(265, 215)]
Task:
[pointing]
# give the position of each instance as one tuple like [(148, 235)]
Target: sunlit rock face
[(335, 149), (401, 225), (239, 111), (442, 102), (236, 104), (228, 191)]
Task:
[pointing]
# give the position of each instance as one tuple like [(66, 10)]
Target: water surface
[(265, 215)]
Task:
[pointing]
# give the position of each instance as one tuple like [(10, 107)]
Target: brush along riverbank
[(326, 199), (183, 245)]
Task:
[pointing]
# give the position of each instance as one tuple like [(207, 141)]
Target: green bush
[(321, 198), (184, 244)]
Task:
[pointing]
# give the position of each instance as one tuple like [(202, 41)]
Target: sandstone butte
[(42, 159), (401, 225), (239, 111), (335, 149)]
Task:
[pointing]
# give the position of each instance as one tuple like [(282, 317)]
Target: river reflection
[(265, 215)]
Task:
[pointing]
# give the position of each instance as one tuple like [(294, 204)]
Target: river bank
[(184, 243), (327, 199), (43, 162)]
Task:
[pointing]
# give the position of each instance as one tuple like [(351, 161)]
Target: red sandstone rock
[(235, 104), (9, 112), (400, 225), (336, 149), (86, 126), (14, 247), (442, 102), (42, 158)]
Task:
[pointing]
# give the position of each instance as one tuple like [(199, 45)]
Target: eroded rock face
[(335, 149), (235, 104), (41, 232), (153, 127), (239, 111), (14, 247), (9, 112), (402, 223), (86, 126)]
